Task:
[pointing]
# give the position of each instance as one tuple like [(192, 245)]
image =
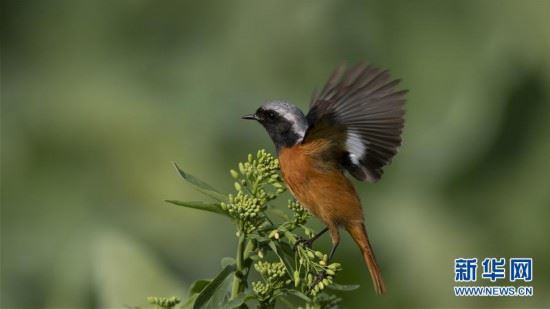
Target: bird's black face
[(282, 123)]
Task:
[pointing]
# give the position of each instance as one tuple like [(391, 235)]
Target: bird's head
[(284, 122)]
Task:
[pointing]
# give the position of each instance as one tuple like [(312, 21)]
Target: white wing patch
[(355, 146)]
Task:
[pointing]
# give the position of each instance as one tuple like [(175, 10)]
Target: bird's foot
[(304, 242), (322, 275)]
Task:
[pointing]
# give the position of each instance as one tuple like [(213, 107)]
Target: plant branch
[(238, 278)]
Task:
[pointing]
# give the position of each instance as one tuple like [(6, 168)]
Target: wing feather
[(364, 103)]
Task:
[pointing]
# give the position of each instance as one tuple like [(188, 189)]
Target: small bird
[(354, 124)]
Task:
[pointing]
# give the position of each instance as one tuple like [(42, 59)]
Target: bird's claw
[(303, 242), (322, 275)]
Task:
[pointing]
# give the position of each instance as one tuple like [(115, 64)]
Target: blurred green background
[(98, 97)]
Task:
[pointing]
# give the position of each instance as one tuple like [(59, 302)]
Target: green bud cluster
[(265, 232), (256, 173), (164, 302), (252, 179), (262, 290), (272, 272), (300, 213), (274, 276), (242, 206), (246, 209), (265, 164), (314, 263)]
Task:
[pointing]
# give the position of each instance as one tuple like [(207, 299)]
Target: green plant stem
[(238, 279)]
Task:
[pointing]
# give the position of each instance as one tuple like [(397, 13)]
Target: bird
[(353, 127)]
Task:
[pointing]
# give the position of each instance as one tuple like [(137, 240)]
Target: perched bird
[(354, 124)]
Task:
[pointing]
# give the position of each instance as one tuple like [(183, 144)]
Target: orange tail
[(359, 234)]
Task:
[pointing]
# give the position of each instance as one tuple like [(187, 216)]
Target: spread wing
[(365, 106)]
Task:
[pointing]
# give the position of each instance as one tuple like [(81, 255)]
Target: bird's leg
[(335, 237), (309, 242), (332, 251)]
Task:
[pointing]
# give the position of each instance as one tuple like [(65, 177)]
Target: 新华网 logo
[(494, 270)]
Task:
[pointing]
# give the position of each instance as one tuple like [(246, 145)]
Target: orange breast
[(319, 184)]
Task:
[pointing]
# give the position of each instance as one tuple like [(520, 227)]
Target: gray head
[(284, 122)]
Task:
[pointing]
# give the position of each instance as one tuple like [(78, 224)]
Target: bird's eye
[(271, 115)]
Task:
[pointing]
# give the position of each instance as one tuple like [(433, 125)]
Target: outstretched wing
[(363, 103)]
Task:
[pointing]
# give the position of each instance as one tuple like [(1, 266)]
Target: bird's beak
[(250, 117)]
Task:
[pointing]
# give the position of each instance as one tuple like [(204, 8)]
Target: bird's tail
[(359, 234)]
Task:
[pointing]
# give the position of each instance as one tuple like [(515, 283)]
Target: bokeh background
[(99, 97)]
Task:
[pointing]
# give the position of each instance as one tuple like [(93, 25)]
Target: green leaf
[(283, 258), (273, 247), (286, 302), (258, 238), (286, 252), (198, 286), (239, 300), (202, 186), (215, 208), (211, 288), (279, 293), (227, 261), (249, 249), (299, 295), (190, 302), (343, 287)]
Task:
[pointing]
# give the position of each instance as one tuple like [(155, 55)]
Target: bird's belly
[(326, 193)]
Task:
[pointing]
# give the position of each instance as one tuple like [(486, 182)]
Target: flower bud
[(272, 234), (334, 266), (237, 186)]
